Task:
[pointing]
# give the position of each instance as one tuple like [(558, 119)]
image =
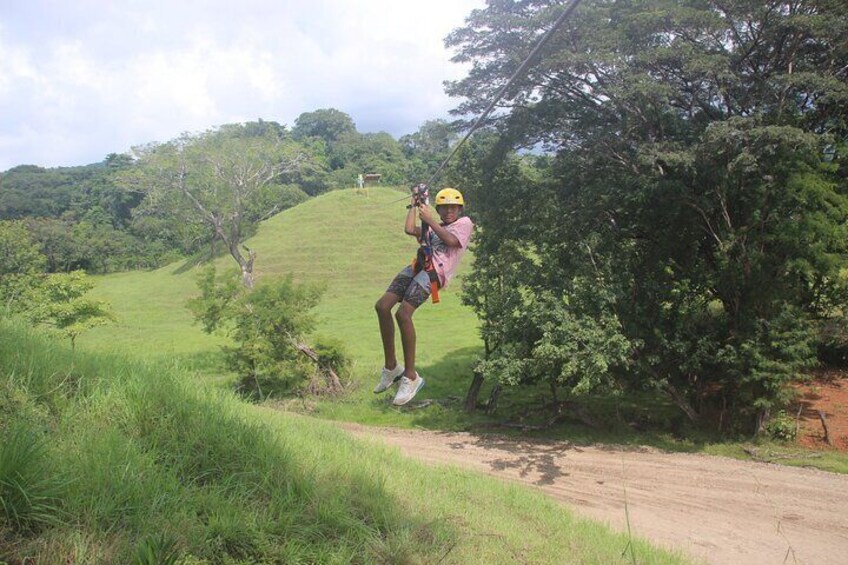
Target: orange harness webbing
[(423, 262)]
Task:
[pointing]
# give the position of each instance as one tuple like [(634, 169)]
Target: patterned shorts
[(410, 287)]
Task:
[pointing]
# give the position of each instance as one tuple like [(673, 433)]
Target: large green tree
[(221, 181), (327, 123), (428, 147), (696, 201)]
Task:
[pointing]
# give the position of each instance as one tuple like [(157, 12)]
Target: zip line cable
[(518, 72)]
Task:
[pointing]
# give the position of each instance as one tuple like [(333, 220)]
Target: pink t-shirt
[(446, 259)]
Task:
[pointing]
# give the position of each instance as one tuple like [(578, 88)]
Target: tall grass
[(152, 452), (135, 462), (29, 492)]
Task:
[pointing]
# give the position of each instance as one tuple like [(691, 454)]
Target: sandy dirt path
[(714, 509)]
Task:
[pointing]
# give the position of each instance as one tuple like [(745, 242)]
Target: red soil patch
[(828, 393)]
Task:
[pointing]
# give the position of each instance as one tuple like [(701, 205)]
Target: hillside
[(108, 460), (349, 241)]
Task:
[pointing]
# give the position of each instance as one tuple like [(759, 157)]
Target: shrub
[(781, 427), (268, 324), (832, 346), (332, 356)]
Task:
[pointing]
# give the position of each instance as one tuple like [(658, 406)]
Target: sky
[(84, 78)]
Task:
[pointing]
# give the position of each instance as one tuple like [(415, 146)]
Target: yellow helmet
[(449, 196)]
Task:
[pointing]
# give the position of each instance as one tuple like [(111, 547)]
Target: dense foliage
[(687, 230), (129, 211)]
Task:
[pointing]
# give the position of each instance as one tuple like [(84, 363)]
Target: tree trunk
[(246, 265), (492, 404), (473, 392), (827, 439), (232, 241), (762, 419), (682, 403), (247, 278), (334, 384)]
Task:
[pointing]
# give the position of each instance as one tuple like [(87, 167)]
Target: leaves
[(267, 324), (58, 300), (682, 231)]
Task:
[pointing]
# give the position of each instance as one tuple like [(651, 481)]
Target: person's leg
[(396, 290), (387, 327), (410, 382), (392, 372), (407, 338), (415, 296)]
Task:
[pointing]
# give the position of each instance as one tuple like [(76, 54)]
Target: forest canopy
[(693, 234)]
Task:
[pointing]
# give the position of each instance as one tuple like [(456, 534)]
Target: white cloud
[(82, 80)]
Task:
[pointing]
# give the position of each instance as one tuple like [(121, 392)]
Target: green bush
[(781, 427), (832, 345), (268, 324), (332, 355), (268, 380)]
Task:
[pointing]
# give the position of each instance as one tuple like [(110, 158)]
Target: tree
[(223, 180), (269, 324), (329, 124), (687, 181), (428, 147), (81, 218), (355, 153), (20, 263), (58, 301)]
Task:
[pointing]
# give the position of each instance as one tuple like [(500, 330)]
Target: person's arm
[(411, 226), (449, 239)]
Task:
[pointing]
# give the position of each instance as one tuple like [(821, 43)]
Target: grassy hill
[(351, 242), (110, 460)]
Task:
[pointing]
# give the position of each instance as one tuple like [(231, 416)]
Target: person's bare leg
[(387, 328), (407, 338)]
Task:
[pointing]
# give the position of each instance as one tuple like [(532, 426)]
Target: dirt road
[(714, 509)]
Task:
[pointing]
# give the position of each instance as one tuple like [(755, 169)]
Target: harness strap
[(423, 262)]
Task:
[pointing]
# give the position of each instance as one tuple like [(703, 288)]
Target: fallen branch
[(575, 412), (333, 381), (824, 425)]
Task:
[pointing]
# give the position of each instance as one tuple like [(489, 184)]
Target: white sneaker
[(407, 390), (388, 378)]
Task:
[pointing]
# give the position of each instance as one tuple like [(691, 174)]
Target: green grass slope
[(108, 460), (349, 241)]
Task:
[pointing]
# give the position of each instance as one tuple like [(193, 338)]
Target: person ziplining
[(442, 245), (444, 239)]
